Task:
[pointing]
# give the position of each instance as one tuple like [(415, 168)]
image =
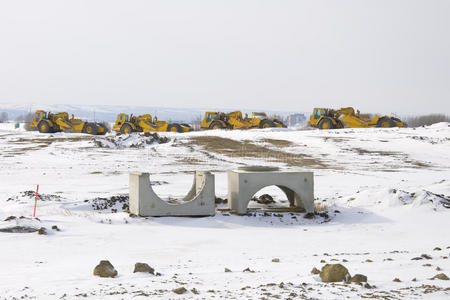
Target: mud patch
[(246, 149)]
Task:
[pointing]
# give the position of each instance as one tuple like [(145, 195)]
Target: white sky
[(379, 56)]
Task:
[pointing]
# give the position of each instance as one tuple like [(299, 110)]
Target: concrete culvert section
[(200, 201), (298, 187)]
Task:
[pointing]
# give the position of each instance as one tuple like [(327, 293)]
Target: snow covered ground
[(385, 193)]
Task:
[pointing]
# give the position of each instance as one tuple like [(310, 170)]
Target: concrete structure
[(200, 201), (245, 182)]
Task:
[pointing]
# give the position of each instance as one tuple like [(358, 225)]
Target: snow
[(385, 191)]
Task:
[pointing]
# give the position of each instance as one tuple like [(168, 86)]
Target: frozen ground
[(386, 193)]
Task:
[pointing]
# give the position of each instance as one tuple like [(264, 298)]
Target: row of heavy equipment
[(47, 122), (323, 118)]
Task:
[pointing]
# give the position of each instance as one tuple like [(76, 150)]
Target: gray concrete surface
[(200, 201), (243, 184)]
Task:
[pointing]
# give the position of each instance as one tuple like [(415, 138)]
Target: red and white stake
[(35, 201)]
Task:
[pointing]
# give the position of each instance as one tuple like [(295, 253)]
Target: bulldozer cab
[(318, 112), (121, 118), (210, 116), (38, 116)]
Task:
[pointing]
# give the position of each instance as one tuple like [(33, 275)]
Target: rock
[(275, 260), (54, 227), (309, 216), (438, 269), (143, 268), (322, 261), (105, 269), (367, 286), (334, 273), (344, 260), (180, 290), (369, 260), (265, 199), (426, 256), (19, 229), (195, 291), (227, 270), (220, 200), (414, 279), (42, 230), (358, 278), (440, 276), (315, 271), (426, 265), (396, 280), (248, 270), (10, 218), (416, 258), (437, 249)]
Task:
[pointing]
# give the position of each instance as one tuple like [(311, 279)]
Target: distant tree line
[(426, 120)]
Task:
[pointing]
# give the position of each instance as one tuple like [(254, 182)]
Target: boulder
[(358, 278), (180, 290), (334, 273), (105, 269), (440, 276), (315, 271), (265, 199), (143, 268)]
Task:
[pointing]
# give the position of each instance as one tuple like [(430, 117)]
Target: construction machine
[(234, 120), (144, 123), (326, 118), (47, 122)]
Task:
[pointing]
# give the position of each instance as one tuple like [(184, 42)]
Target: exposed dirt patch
[(116, 203), (279, 143), (32, 195), (233, 148)]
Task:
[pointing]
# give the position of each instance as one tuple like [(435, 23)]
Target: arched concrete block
[(200, 201), (242, 185)]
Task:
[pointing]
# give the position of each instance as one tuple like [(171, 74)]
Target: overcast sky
[(379, 56)]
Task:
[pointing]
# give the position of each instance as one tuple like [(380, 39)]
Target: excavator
[(235, 120), (47, 122), (326, 118), (144, 123)]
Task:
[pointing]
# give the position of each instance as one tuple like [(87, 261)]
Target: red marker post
[(35, 201)]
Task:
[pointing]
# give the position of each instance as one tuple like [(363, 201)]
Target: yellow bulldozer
[(144, 123), (326, 118), (234, 120), (47, 122)]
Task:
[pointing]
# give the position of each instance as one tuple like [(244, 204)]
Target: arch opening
[(272, 197)]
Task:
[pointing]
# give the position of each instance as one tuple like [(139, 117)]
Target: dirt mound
[(13, 224), (26, 195), (395, 198), (116, 203), (135, 140)]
